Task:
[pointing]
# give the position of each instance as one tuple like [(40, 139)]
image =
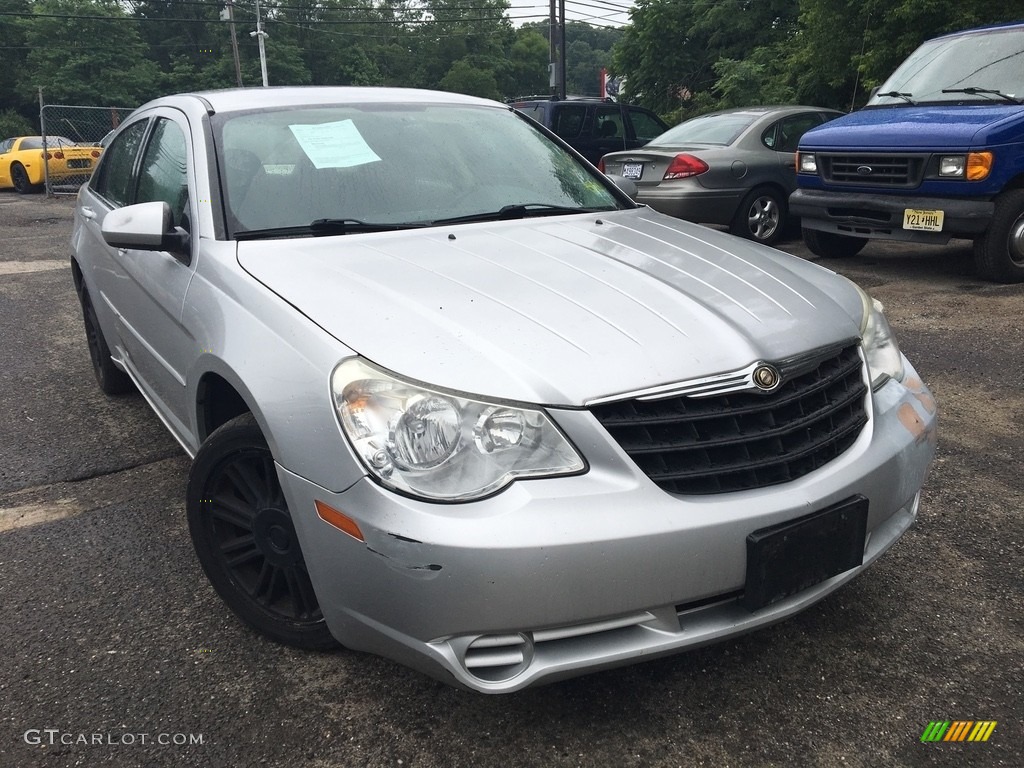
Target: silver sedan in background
[(734, 167), (488, 418)]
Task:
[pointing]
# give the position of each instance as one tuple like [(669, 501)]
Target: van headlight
[(442, 445), (885, 361)]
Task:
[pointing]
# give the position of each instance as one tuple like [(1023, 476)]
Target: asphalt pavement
[(117, 652)]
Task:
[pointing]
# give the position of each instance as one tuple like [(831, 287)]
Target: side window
[(113, 179), (163, 175), (568, 121), (645, 127), (792, 128), (5, 146), (608, 123), (536, 111)]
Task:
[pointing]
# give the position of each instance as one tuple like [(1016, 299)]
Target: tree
[(85, 52), (13, 53), (466, 77)]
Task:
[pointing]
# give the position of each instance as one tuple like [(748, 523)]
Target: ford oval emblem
[(766, 377), (864, 170)]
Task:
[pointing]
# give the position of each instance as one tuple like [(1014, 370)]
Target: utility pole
[(228, 14), (561, 49), (259, 34), (553, 79)]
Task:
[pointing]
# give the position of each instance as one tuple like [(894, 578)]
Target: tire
[(999, 253), (19, 177), (761, 216), (831, 246), (111, 379), (245, 541)]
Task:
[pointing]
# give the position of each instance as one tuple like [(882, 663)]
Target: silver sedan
[(734, 167), (487, 418)]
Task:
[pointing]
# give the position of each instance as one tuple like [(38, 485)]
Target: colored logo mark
[(958, 730)]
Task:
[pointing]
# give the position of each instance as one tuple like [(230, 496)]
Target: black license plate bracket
[(789, 557)]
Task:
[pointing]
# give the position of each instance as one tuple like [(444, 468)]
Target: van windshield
[(984, 66)]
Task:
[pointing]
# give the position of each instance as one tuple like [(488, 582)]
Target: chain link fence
[(73, 140)]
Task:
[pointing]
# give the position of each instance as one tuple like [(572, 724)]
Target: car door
[(642, 126), (143, 291), (784, 137), (607, 132), (5, 163)]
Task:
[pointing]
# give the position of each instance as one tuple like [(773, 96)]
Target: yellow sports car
[(25, 163)]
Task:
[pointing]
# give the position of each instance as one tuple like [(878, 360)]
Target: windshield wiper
[(899, 95), (320, 227), (518, 211), (972, 91)]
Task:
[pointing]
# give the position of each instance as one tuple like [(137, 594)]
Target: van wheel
[(829, 245), (999, 253), (760, 217), (244, 538)]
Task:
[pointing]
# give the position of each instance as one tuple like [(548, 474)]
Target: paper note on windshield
[(334, 145)]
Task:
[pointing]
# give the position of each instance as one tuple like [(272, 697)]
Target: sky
[(600, 13)]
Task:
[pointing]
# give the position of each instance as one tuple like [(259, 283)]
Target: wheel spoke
[(247, 481), (233, 511), (242, 558), (239, 542), (263, 581)]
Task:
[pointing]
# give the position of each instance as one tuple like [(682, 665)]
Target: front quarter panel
[(276, 359)]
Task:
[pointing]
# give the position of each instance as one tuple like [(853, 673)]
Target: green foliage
[(74, 60), (683, 58), (679, 57), (465, 77), (14, 124)]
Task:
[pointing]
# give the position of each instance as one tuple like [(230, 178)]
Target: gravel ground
[(110, 632)]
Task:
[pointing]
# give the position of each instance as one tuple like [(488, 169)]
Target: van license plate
[(926, 221), (632, 170)]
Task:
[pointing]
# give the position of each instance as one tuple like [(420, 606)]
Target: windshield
[(36, 142), (992, 61), (720, 130), (342, 169)]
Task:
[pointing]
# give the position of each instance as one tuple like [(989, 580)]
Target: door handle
[(87, 213)]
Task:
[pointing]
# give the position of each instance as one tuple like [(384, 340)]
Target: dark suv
[(592, 126)]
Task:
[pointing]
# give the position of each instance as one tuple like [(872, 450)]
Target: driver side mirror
[(145, 227), (627, 186)]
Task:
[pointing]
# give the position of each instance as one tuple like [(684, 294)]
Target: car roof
[(247, 99), (757, 111)]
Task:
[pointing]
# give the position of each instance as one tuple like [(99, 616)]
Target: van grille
[(744, 440), (887, 171)]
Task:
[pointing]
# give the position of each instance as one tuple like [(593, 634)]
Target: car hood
[(920, 127), (559, 311)]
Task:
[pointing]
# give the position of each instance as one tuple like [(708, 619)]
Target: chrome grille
[(745, 440), (888, 171)]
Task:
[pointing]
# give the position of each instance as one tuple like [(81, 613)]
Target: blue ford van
[(938, 152)]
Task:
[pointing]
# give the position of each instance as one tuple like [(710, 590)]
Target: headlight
[(806, 162), (441, 445), (880, 348)]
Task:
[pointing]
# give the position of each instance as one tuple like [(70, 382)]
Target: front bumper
[(557, 577), (860, 214)]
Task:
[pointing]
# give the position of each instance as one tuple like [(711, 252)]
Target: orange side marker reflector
[(342, 522)]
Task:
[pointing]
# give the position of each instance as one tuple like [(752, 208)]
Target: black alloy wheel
[(111, 379), (245, 541), (19, 176)]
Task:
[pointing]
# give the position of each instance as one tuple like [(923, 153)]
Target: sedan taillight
[(684, 166), (600, 165)]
